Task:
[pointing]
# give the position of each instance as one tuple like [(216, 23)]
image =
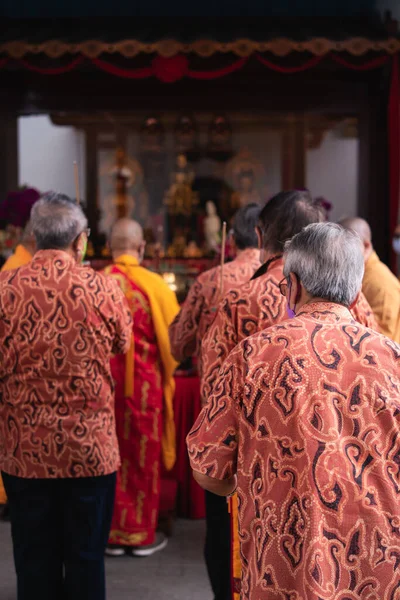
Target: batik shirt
[(249, 308), (307, 414), (199, 309), (59, 325)]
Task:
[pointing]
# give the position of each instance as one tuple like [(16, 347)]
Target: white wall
[(332, 172), (46, 155)]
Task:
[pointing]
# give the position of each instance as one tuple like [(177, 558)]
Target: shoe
[(160, 543), (115, 551)]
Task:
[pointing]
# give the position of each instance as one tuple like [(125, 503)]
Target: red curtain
[(394, 150)]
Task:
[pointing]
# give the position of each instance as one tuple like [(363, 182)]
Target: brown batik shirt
[(249, 308), (60, 322), (199, 309), (307, 414)]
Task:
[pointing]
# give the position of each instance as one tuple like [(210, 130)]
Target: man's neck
[(239, 252), (118, 253)]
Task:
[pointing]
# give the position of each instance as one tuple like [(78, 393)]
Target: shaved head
[(126, 235), (360, 226)]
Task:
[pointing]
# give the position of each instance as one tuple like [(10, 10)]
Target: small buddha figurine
[(246, 192), (180, 198), (212, 227)]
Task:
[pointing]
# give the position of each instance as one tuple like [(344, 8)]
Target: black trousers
[(60, 530), (217, 551)]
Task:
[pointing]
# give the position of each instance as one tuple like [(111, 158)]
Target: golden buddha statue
[(180, 199)]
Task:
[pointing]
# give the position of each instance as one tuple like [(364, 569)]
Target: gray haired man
[(60, 323), (304, 421)]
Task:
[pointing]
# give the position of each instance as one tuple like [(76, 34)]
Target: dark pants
[(60, 530), (217, 551)]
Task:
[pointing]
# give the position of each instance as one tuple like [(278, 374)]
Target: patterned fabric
[(59, 324), (20, 257), (249, 308), (307, 413), (199, 309), (139, 427)]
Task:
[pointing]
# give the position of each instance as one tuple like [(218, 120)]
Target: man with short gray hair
[(304, 420), (60, 323)]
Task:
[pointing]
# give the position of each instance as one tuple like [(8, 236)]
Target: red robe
[(139, 427)]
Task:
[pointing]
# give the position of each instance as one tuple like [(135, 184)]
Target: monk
[(304, 422), (144, 390), (258, 304), (23, 253), (380, 287), (186, 334)]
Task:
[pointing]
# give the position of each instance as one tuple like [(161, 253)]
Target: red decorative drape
[(394, 150), (313, 62), (53, 70)]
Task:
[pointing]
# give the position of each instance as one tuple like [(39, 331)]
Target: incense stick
[(223, 244), (76, 174)]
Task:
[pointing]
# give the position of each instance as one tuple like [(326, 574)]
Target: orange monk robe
[(164, 307), (19, 258), (199, 309), (144, 416), (382, 290)]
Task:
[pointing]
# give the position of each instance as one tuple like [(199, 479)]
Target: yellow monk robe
[(19, 258), (382, 290), (164, 308)]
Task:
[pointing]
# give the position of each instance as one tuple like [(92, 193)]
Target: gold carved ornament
[(167, 48)]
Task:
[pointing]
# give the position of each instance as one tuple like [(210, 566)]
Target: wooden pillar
[(92, 183), (294, 153), (373, 171), (8, 154)]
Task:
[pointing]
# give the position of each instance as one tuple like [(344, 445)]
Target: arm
[(122, 320), (213, 440), (218, 342), (224, 487), (183, 330)]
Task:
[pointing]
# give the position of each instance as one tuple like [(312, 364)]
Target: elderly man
[(186, 334), (380, 287), (144, 397), (305, 420), (60, 323), (199, 309), (258, 304)]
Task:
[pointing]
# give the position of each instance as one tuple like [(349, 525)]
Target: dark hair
[(286, 214), (244, 226)]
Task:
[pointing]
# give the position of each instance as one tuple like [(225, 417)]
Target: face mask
[(84, 250), (396, 244), (290, 311)]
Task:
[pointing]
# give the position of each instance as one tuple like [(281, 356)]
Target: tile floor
[(176, 573)]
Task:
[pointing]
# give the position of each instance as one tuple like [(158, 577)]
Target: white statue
[(212, 227)]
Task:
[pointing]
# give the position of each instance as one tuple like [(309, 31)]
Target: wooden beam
[(92, 182)]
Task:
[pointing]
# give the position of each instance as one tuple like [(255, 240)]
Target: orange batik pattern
[(307, 415), (139, 425)]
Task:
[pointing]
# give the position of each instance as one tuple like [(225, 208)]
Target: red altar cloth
[(189, 496)]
